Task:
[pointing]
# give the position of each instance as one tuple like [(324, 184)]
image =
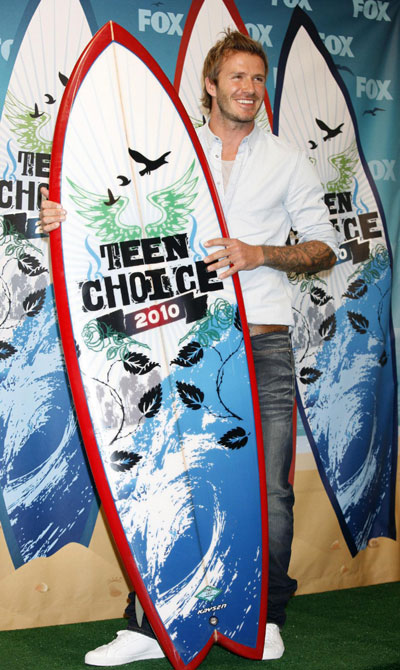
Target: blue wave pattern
[(47, 495), (183, 506)]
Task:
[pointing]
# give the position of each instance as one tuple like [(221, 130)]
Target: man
[(266, 188)]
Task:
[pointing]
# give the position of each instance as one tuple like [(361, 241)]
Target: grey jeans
[(274, 367)]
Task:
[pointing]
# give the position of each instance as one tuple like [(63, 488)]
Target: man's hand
[(51, 213), (234, 254)]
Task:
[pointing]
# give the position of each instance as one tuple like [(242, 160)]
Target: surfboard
[(348, 353), (42, 455), (158, 353), (205, 23)]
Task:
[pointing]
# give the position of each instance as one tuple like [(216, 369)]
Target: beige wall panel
[(321, 560)]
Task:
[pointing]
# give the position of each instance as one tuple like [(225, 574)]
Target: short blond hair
[(232, 41)]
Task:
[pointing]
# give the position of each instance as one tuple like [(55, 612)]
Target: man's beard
[(231, 116)]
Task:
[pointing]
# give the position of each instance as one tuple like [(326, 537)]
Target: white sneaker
[(127, 647), (273, 645)]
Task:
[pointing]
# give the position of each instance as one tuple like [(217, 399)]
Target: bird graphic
[(312, 144), (150, 165), (331, 132), (374, 111), (36, 113), (49, 99), (103, 214), (26, 124), (111, 200), (345, 165), (63, 78), (124, 181)]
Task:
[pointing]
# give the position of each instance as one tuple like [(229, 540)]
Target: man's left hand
[(235, 254)]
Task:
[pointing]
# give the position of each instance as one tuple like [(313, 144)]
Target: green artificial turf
[(354, 629)]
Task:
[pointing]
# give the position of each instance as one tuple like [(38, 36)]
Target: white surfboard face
[(153, 205), (31, 128), (341, 349), (159, 343), (53, 40), (212, 19)]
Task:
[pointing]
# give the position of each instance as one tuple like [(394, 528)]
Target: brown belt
[(260, 329)]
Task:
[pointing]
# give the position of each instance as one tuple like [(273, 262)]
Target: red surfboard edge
[(193, 13), (112, 32)]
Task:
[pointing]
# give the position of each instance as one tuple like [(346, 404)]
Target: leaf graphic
[(237, 321), (309, 375), (319, 297), (112, 352), (327, 328), (9, 250), (138, 364), (190, 395), (6, 350), (150, 401), (34, 302), (358, 322), (383, 359), (30, 266), (234, 439), (189, 355), (123, 460), (356, 289)]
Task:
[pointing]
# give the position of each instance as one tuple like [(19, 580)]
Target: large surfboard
[(158, 353), (47, 496), (347, 353)]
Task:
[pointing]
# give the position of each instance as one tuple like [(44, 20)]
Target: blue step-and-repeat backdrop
[(332, 88)]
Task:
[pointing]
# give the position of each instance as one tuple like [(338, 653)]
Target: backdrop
[(326, 94)]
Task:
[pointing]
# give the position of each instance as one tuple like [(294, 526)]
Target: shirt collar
[(251, 139)]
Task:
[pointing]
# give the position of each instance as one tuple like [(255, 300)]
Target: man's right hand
[(51, 213)]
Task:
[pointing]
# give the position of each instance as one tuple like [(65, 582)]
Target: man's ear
[(210, 87)]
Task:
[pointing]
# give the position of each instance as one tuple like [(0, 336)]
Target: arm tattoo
[(312, 256)]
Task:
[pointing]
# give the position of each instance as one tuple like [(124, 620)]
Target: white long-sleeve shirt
[(272, 188)]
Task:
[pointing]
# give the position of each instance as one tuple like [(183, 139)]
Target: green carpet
[(354, 629)]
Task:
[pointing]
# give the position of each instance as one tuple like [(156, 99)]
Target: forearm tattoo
[(310, 257)]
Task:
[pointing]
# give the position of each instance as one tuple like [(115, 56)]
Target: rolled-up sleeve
[(306, 206)]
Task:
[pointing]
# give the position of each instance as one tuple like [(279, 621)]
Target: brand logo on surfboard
[(209, 593)]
